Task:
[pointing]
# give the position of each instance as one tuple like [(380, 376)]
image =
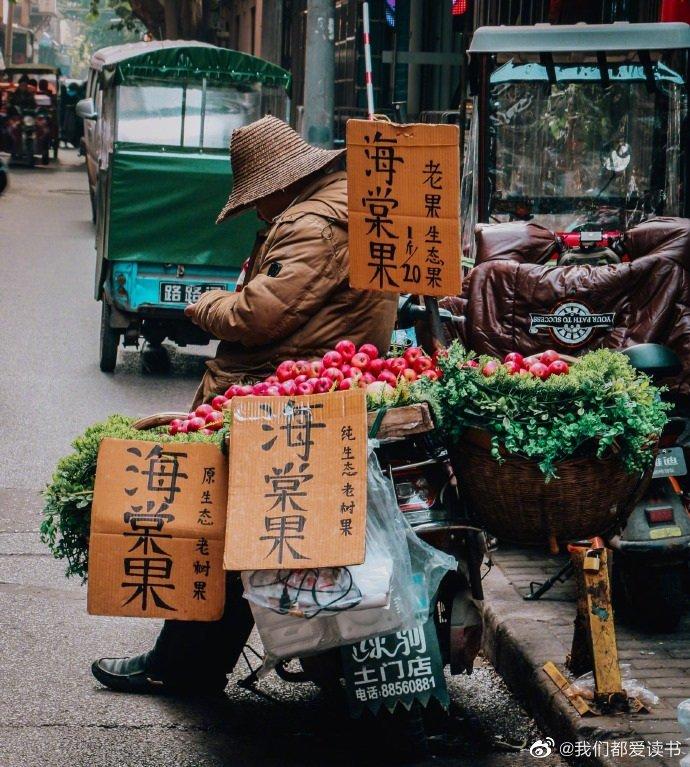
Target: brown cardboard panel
[(404, 421), (404, 207), (157, 527), (297, 490)]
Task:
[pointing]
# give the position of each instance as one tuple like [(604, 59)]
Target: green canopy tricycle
[(158, 118)]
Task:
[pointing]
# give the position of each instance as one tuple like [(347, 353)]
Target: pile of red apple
[(206, 419), (346, 367), (543, 366)]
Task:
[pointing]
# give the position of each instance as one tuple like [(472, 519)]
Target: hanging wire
[(324, 589)]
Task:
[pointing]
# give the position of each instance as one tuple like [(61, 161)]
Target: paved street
[(52, 712)]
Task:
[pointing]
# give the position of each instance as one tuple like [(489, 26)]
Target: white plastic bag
[(392, 598), (307, 593), (584, 686)]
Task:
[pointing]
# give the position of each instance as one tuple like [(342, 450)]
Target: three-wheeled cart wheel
[(110, 340)]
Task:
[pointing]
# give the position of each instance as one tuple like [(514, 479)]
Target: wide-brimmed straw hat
[(267, 156)]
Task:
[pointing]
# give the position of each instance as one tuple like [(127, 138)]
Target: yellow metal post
[(602, 632)]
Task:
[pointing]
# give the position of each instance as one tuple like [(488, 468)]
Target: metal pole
[(319, 76), (402, 45), (416, 43), (203, 113), (9, 22), (368, 74)]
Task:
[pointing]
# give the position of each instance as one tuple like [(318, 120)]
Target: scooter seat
[(654, 360)]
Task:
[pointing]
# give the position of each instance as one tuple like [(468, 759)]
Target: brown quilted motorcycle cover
[(512, 301)]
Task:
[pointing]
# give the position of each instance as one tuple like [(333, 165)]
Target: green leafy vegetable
[(68, 497), (602, 405)]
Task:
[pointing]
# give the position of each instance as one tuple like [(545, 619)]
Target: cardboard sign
[(297, 491), (157, 529), (403, 186), (396, 668)]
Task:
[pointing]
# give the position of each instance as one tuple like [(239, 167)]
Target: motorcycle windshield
[(596, 146)]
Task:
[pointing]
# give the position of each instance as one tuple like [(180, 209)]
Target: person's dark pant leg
[(196, 654)]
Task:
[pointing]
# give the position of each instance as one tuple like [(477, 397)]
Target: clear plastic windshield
[(572, 147), (177, 115)]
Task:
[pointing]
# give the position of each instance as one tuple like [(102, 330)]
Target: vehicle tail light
[(675, 10), (659, 515)]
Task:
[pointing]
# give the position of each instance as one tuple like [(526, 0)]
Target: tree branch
[(151, 15)]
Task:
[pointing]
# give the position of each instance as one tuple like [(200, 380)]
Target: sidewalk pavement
[(520, 637)]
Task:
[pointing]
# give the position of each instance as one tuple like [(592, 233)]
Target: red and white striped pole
[(368, 75)]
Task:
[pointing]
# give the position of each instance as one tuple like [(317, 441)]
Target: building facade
[(35, 30), (418, 46)]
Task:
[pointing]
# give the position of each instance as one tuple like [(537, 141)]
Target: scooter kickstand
[(560, 577)]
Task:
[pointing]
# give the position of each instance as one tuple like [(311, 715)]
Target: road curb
[(518, 642)]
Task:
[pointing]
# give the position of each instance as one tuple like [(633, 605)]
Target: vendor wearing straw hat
[(296, 303)]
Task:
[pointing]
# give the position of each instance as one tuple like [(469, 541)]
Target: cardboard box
[(297, 490), (157, 530), (404, 207)]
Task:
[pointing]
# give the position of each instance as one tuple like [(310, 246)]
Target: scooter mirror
[(86, 109)]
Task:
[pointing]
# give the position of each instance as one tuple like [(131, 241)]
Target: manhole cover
[(69, 191)]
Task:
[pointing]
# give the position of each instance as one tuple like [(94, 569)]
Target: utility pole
[(9, 22), (319, 73)]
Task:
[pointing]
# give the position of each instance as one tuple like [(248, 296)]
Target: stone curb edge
[(518, 641)]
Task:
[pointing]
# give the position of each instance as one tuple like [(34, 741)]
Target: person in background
[(44, 96), (23, 97)]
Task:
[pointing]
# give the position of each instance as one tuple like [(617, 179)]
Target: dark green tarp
[(163, 208), (182, 62)]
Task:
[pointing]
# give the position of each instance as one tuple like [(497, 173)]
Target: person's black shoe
[(127, 675), (135, 675)]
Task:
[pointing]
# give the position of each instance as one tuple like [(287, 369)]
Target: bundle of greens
[(603, 404), (68, 497)]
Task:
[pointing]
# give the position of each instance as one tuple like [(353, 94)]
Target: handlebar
[(590, 247), (409, 313)]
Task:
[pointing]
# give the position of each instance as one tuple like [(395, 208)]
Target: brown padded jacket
[(511, 301), (296, 303)]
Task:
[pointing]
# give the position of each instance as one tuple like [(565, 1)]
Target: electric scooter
[(652, 552)]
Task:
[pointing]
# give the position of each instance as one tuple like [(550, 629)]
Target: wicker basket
[(512, 500)]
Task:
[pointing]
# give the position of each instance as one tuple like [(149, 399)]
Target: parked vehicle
[(581, 129), (427, 495), (578, 128), (29, 127), (653, 551), (158, 118)]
